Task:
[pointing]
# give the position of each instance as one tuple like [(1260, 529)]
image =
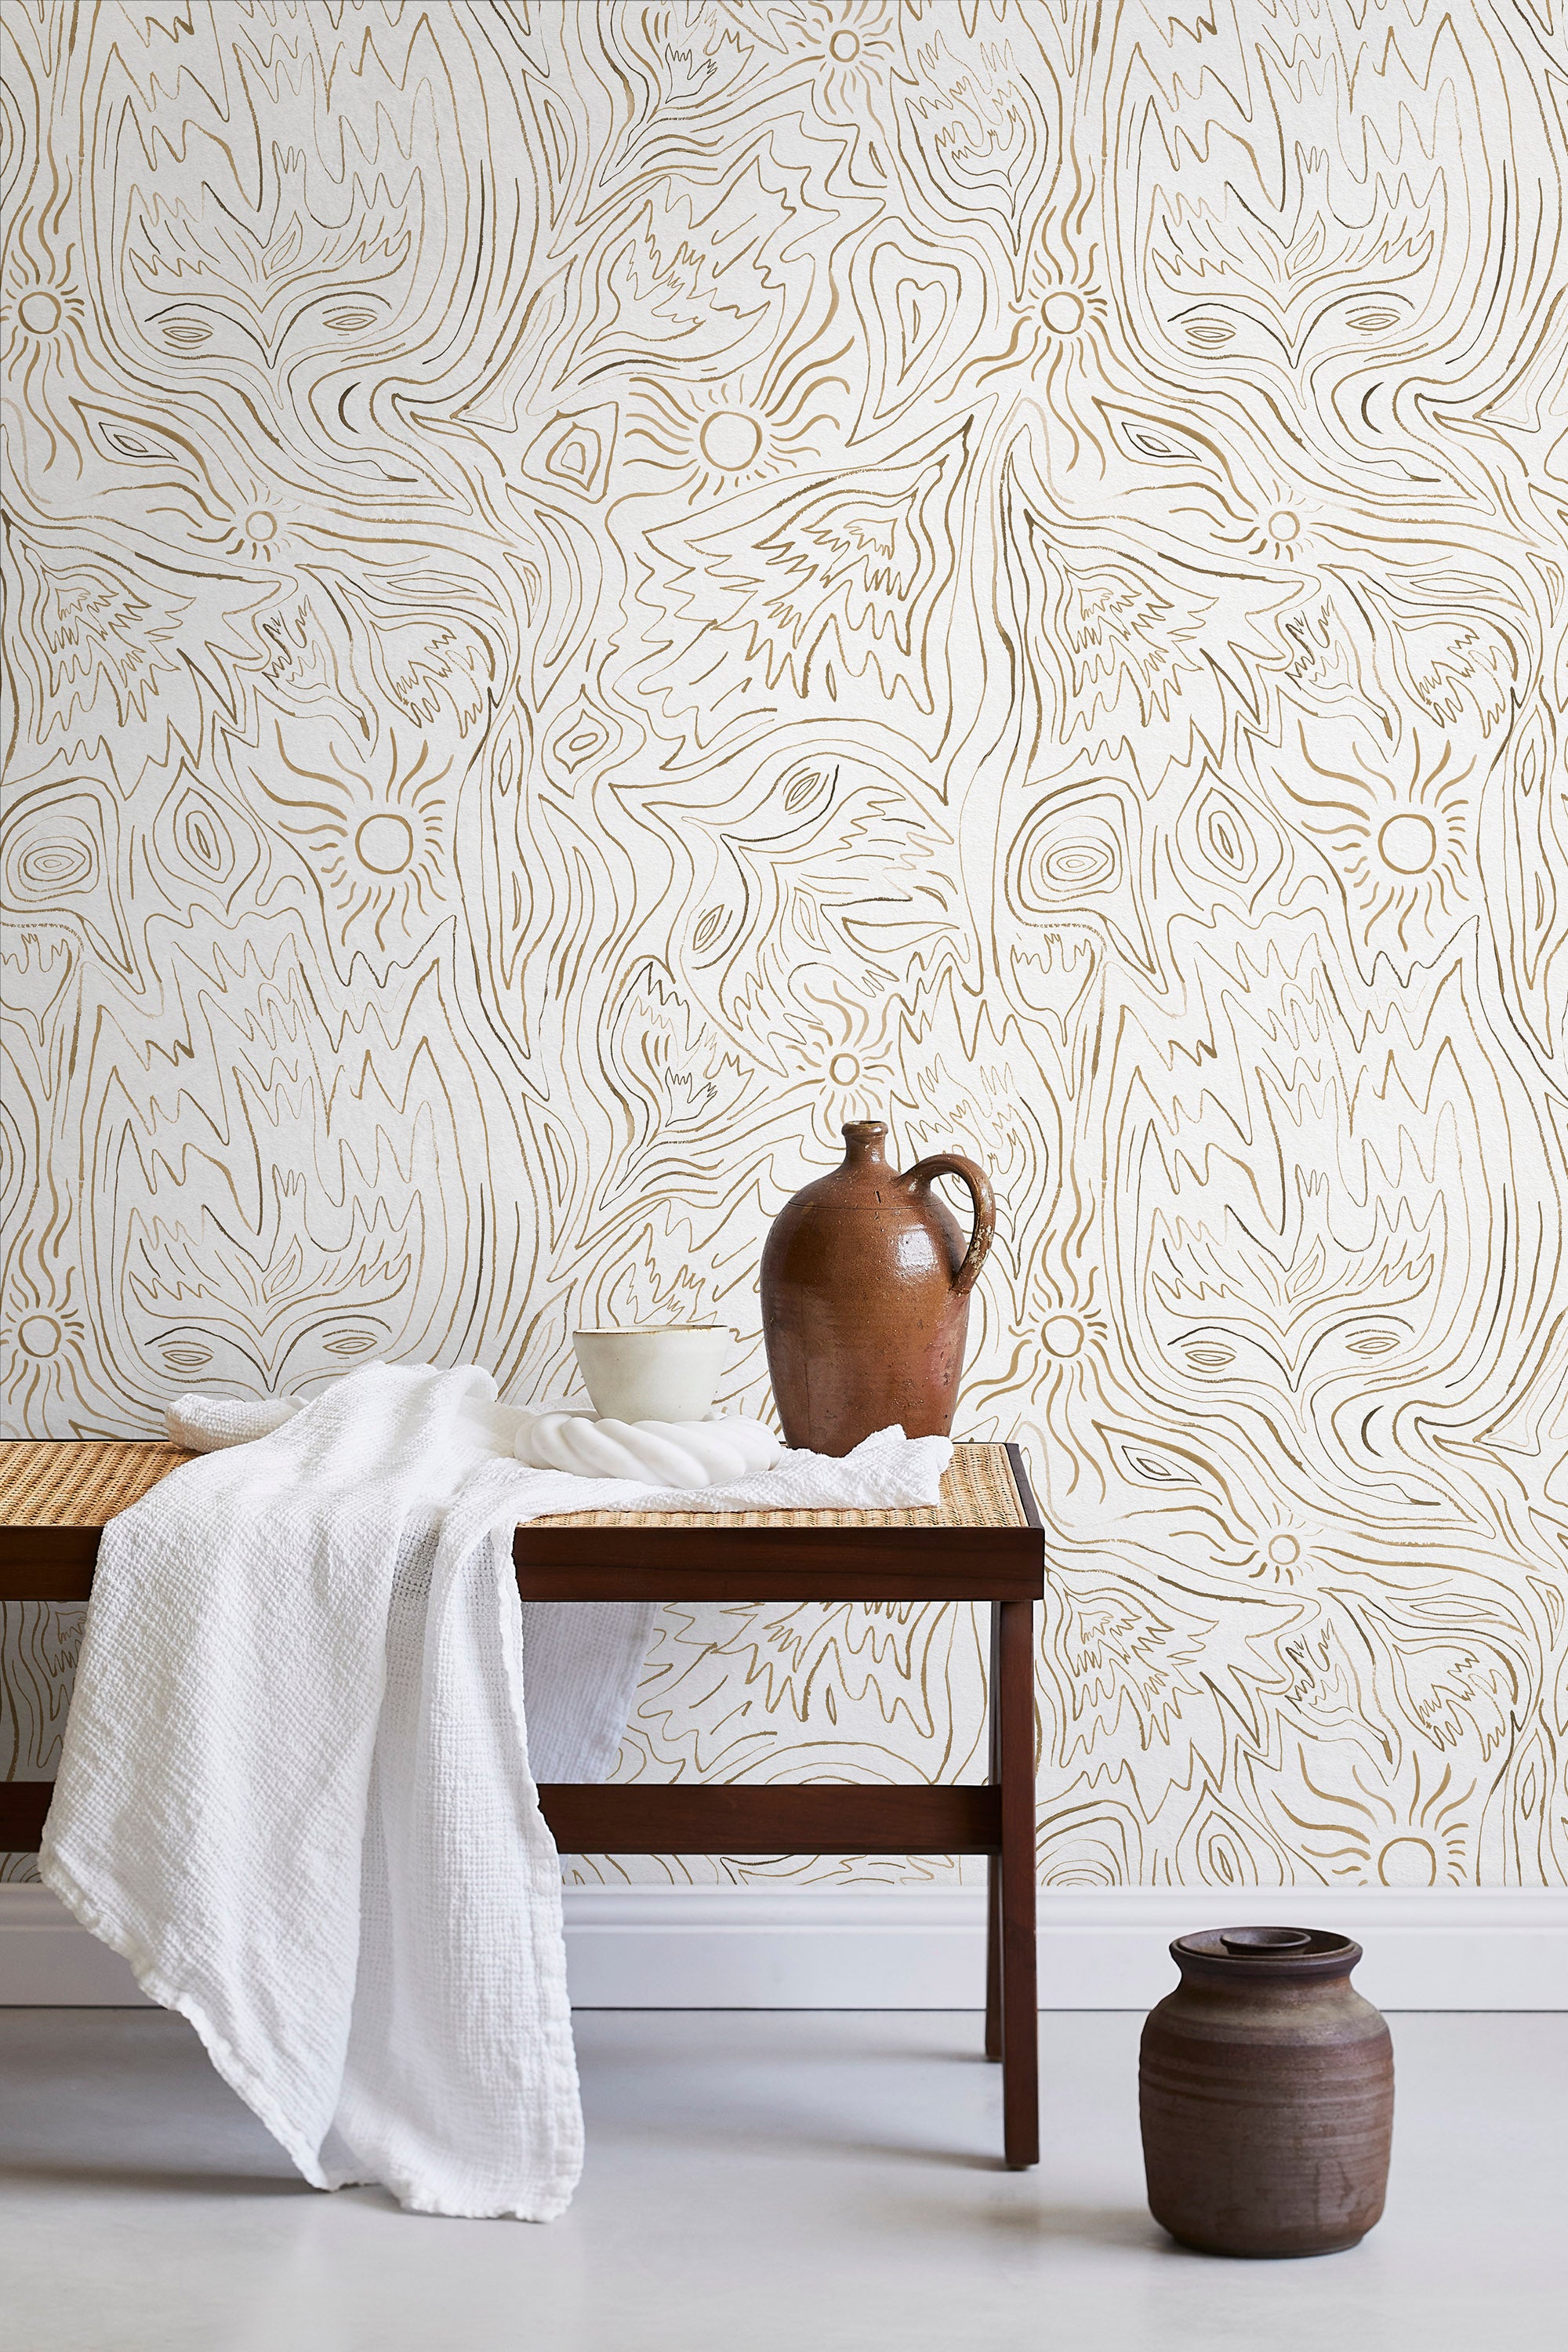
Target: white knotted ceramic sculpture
[(673, 1453)]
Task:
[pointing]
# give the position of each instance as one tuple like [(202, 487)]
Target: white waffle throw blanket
[(296, 1788)]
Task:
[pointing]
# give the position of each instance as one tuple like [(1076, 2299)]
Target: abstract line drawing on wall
[(593, 592)]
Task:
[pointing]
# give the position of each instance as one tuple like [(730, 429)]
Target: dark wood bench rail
[(688, 1817), (721, 1559), (44, 1563)]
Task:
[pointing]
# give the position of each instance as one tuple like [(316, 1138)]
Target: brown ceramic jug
[(866, 1283), (1266, 2092)]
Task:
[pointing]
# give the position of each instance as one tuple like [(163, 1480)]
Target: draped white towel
[(296, 1791), (208, 1424)]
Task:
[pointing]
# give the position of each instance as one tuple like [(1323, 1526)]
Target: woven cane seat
[(78, 1482), (978, 1490), (85, 1481)]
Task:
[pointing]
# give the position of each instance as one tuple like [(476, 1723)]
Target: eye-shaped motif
[(233, 327), (804, 784), (349, 1342), (1156, 441), (201, 1355), (1365, 312), (1155, 1469), (189, 325), (1373, 1343), (709, 926), (1208, 333), (144, 443)]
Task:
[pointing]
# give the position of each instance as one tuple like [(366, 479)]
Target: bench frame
[(1002, 1565)]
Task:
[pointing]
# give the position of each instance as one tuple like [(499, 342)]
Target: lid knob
[(1250, 1941)]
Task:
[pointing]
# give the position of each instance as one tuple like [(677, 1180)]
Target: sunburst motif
[(255, 533), (38, 307), (706, 441), (45, 1346), (1064, 1351), (249, 526), (858, 1079), (1053, 319), (1278, 532), (1401, 1833), (43, 321), (1397, 828), (1272, 524), (854, 46), (376, 850), (1281, 1552)]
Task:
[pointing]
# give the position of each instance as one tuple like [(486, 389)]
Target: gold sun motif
[(1271, 525), (1279, 1554), (858, 1080), (854, 46), (711, 440), (40, 311), (1277, 532), (1066, 313), (376, 850), (1403, 1834), (1072, 1343), (40, 315), (1053, 319), (247, 524), (44, 1341), (254, 531), (1398, 836)]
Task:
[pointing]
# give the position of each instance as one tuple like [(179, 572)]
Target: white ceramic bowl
[(653, 1375)]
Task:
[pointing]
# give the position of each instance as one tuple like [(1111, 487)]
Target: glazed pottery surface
[(1265, 2094), (866, 1283), (671, 1374)]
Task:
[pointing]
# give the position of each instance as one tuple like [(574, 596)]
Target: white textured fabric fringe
[(208, 1424), (296, 1792)]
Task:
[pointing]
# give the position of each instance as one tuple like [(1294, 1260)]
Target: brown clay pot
[(866, 1283), (1265, 2091)]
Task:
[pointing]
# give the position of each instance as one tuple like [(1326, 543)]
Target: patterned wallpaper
[(594, 590)]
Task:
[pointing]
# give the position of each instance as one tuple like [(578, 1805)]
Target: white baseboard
[(912, 1947), (48, 1961)]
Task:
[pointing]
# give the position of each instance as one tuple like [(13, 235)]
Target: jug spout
[(863, 1142)]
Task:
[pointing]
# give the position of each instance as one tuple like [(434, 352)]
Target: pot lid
[(1312, 1950)]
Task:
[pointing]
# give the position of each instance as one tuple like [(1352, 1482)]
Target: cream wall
[(594, 590)]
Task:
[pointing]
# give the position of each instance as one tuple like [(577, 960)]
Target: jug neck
[(863, 1141)]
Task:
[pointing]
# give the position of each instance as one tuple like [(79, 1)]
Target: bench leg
[(992, 1864), (1013, 1705), (992, 1958)]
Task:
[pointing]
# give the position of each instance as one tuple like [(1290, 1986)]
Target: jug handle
[(952, 1164)]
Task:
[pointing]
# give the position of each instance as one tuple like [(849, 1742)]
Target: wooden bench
[(982, 1542)]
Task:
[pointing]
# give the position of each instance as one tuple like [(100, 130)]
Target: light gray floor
[(759, 2183)]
